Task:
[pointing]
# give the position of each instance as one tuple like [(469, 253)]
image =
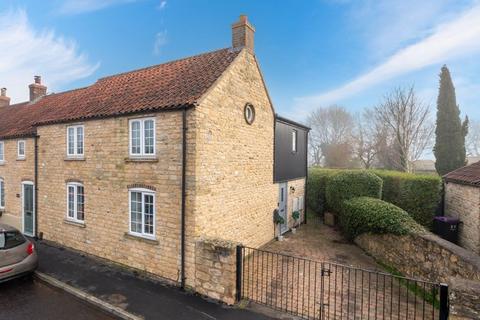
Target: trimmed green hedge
[(316, 185), (365, 214), (419, 195), (350, 184)]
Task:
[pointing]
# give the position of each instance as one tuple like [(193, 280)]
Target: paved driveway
[(26, 299)]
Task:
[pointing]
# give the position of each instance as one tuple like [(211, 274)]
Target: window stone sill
[(74, 223), (21, 159), (141, 239), (141, 159), (74, 159), (2, 163)]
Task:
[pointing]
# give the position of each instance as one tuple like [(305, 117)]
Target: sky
[(313, 53)]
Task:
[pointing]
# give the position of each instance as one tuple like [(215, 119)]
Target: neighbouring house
[(139, 166), (462, 200)]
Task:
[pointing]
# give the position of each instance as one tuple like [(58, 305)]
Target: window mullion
[(143, 212)]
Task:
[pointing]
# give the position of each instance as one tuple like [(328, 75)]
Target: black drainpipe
[(305, 191), (36, 184), (184, 165)]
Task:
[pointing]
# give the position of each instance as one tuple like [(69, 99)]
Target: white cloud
[(27, 52), (162, 5), (160, 41), (457, 38), (83, 6)]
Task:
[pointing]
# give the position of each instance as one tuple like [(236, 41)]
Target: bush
[(316, 185), (365, 214), (350, 184), (419, 195)]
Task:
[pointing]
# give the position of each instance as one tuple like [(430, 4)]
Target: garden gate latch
[(326, 272)]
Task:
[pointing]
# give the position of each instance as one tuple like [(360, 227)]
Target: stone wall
[(463, 202), (14, 171), (234, 191), (107, 172), (215, 269), (428, 257)]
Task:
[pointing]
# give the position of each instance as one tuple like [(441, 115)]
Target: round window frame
[(252, 108)]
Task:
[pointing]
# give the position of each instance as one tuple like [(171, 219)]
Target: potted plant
[(278, 220), (296, 217)]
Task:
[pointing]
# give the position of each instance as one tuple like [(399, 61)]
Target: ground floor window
[(75, 202), (142, 212)]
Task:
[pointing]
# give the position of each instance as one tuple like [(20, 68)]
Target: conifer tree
[(450, 132)]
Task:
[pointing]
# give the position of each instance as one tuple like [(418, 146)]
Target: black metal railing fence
[(323, 290)]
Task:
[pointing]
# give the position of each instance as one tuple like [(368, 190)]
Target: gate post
[(444, 307), (238, 293)]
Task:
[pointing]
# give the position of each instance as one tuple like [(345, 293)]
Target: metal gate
[(323, 290)]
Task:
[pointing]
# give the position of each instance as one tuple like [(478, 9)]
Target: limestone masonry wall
[(426, 256), (234, 191), (215, 269), (106, 172), (13, 171), (463, 202)]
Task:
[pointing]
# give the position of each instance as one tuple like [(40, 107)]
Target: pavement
[(141, 297), (27, 298)]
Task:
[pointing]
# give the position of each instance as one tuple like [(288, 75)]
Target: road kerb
[(117, 311)]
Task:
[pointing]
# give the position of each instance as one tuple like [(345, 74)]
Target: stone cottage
[(139, 166), (462, 200)]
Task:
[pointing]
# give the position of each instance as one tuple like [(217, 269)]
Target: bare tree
[(473, 139), (367, 138), (410, 129), (330, 136)]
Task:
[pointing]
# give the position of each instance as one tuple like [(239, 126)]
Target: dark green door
[(28, 208)]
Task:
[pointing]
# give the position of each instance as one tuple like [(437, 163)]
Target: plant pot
[(279, 238), (294, 230)]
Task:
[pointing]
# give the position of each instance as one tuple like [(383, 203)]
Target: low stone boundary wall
[(215, 269), (428, 257)]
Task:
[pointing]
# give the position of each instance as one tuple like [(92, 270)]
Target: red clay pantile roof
[(466, 175), (167, 86)]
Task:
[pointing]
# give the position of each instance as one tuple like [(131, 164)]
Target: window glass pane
[(149, 212), (294, 140), (1, 152), (21, 148), (136, 139), (2, 194), (71, 140), (79, 140), (11, 239), (71, 201), (149, 136), (136, 212), (80, 203)]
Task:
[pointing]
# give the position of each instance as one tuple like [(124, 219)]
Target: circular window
[(249, 113)]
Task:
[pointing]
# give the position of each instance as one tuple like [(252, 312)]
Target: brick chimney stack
[(242, 34), (4, 100), (37, 90)]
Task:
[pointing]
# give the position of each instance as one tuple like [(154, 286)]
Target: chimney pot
[(37, 90), (4, 100), (243, 34)]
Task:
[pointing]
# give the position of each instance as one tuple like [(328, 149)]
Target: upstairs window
[(75, 136), (75, 202), (294, 141), (142, 137), (21, 149), (2, 194), (2, 152), (142, 212)]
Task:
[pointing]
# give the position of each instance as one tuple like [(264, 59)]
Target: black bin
[(447, 228)]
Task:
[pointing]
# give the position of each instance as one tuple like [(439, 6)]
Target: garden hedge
[(316, 185), (419, 195), (350, 184), (365, 214)]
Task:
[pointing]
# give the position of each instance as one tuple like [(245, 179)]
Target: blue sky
[(312, 53)]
